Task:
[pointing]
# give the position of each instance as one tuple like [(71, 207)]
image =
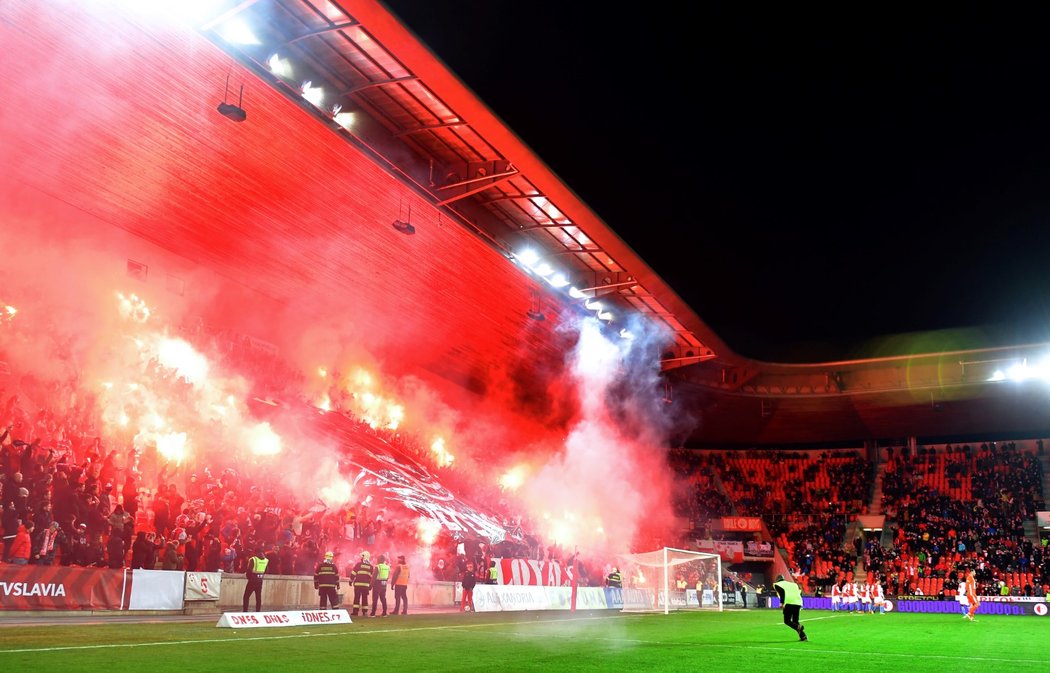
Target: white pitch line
[(454, 627), (162, 643)]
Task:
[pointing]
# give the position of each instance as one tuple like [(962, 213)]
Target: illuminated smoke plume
[(608, 488)]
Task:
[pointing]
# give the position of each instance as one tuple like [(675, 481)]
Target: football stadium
[(308, 361)]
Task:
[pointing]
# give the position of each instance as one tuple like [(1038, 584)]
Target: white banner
[(255, 620), (591, 598), (203, 586), (559, 598), (156, 589), (496, 598)]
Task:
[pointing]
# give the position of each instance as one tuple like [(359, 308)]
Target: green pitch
[(739, 641)]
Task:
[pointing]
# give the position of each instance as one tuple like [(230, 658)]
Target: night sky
[(810, 181)]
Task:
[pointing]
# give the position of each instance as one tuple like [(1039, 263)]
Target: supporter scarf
[(49, 541)]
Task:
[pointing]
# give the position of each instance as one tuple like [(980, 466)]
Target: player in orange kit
[(971, 593)]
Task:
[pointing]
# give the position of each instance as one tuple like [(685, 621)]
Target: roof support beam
[(428, 127), (496, 179), (373, 85), (229, 14), (321, 31)]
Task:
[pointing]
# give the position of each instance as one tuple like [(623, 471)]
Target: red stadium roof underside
[(109, 127)]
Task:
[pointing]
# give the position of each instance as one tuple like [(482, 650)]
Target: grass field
[(739, 641)]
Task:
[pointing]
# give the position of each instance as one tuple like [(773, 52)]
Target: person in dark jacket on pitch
[(361, 576), (469, 580), (326, 581)]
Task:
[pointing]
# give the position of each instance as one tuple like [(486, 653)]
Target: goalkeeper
[(791, 604)]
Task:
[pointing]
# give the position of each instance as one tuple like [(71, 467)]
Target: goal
[(652, 581)]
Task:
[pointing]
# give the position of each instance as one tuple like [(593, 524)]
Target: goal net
[(671, 579)]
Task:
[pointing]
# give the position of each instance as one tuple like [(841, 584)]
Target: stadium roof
[(416, 118), (464, 158)]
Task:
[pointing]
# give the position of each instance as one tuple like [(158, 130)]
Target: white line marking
[(290, 636), (454, 627)]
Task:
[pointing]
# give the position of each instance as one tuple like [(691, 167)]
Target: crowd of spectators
[(73, 497), (949, 508), (964, 506)]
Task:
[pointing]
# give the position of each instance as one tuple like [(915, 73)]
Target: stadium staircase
[(1044, 459), (875, 504)]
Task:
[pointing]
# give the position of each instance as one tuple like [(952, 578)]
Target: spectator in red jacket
[(22, 547)]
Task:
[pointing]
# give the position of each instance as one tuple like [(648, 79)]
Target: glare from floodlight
[(313, 94), (605, 315), (997, 376), (575, 293), (1018, 372), (235, 31), (279, 66), (544, 269), (593, 305), (529, 257), (558, 280), (625, 334)]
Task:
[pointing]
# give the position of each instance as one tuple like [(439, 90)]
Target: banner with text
[(530, 573), (742, 523), (33, 587), (203, 586), (255, 620)]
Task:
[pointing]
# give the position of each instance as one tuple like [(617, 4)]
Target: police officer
[(380, 575), (254, 572), (400, 582), (326, 581), (361, 575), (791, 602), (614, 579)]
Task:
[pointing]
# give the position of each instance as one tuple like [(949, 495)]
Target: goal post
[(671, 579)]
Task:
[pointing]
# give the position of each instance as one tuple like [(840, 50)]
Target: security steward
[(614, 579), (791, 601), (400, 582), (380, 576), (493, 577), (361, 575), (326, 581), (254, 572)]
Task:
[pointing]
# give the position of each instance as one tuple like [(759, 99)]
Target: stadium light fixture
[(279, 66), (313, 94), (344, 119), (529, 257), (559, 280), (592, 305), (605, 315), (576, 293), (405, 225), (229, 110)]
